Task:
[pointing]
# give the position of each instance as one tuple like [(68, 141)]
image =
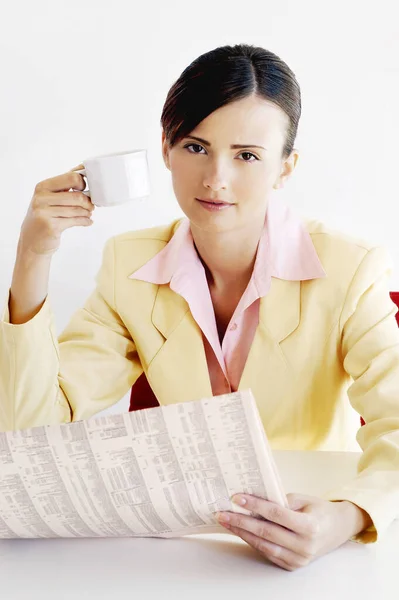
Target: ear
[(165, 150), (288, 167)]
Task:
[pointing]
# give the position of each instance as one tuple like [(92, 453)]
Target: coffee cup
[(113, 179)]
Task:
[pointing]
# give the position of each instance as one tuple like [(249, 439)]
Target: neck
[(228, 257)]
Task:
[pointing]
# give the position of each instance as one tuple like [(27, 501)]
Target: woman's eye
[(250, 154), (192, 146), (242, 153)]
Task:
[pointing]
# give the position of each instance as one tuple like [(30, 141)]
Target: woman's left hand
[(293, 537)]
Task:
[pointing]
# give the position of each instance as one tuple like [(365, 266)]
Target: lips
[(214, 206), (214, 202)]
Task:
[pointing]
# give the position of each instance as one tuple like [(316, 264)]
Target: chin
[(212, 225)]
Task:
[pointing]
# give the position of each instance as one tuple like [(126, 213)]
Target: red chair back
[(142, 396), (395, 298)]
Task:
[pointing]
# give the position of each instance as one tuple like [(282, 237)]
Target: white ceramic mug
[(113, 179)]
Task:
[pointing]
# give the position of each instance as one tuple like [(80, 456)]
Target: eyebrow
[(232, 146)]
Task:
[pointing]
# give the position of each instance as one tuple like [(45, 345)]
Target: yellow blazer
[(324, 348)]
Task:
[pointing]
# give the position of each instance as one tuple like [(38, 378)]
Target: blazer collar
[(289, 258)]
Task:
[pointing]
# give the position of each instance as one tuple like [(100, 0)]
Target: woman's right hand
[(52, 210)]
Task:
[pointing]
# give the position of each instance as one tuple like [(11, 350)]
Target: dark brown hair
[(226, 74)]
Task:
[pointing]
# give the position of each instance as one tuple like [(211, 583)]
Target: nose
[(215, 178)]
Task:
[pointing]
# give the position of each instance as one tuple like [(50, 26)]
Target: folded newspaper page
[(158, 472)]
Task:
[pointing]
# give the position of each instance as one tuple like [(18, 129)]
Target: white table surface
[(205, 566)]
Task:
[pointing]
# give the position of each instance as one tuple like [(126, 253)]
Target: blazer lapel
[(280, 308), (179, 371), (266, 370), (168, 311)]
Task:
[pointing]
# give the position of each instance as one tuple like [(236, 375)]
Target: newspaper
[(158, 472)]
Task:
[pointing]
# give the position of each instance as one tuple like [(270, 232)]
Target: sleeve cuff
[(378, 495), (366, 536), (44, 314)]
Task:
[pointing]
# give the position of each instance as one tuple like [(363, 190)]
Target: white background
[(87, 77)]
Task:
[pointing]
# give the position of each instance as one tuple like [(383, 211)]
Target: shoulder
[(161, 234), (353, 265), (325, 237), (341, 253), (134, 248)]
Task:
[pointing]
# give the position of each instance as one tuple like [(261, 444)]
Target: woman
[(241, 294)]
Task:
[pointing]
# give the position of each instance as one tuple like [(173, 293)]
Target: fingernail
[(222, 517), (239, 500)]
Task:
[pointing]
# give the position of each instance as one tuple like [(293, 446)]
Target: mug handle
[(86, 191)]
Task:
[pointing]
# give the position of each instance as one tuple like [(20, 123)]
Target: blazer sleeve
[(93, 363), (370, 354)]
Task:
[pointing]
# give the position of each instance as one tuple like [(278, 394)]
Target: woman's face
[(244, 178)]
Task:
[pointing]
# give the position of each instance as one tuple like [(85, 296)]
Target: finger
[(268, 531), (295, 521), (63, 182), (78, 168), (68, 199), (64, 223), (273, 552), (66, 212), (282, 564)]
